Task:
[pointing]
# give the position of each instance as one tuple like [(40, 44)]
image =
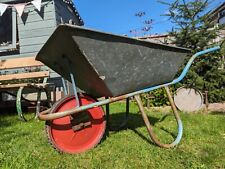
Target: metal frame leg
[(75, 90), (127, 108), (64, 87), (19, 105), (77, 102), (48, 95), (149, 127), (54, 95), (107, 119), (38, 105), (123, 125)]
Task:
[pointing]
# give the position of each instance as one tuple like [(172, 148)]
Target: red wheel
[(77, 133)]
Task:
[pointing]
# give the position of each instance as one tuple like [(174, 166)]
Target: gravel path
[(217, 107)]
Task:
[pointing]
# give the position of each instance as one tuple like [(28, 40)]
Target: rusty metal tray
[(109, 65)]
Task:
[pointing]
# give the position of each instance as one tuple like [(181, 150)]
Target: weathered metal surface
[(110, 65), (188, 100)]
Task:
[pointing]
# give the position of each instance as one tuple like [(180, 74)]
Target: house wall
[(217, 16), (34, 27)]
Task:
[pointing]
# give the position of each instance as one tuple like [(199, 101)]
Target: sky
[(118, 16)]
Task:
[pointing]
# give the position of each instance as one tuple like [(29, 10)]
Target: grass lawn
[(24, 145)]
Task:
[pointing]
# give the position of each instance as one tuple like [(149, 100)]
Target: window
[(8, 30), (222, 17)]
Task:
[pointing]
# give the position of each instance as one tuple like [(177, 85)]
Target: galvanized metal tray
[(109, 65)]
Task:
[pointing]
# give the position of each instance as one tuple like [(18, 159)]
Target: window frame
[(14, 34)]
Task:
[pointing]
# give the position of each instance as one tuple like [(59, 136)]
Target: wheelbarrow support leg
[(64, 86), (127, 107), (38, 106), (19, 104), (149, 127), (123, 125), (107, 119)]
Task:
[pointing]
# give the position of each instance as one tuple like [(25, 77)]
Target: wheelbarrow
[(109, 67)]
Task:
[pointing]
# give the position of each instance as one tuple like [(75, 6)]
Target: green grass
[(24, 145)]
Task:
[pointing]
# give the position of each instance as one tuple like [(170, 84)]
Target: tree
[(193, 29), (146, 25)]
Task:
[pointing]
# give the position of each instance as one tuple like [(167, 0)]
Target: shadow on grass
[(4, 123), (134, 120), (9, 117), (118, 122), (167, 131), (8, 112), (218, 113), (9, 135)]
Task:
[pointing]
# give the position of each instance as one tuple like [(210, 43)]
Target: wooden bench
[(20, 73)]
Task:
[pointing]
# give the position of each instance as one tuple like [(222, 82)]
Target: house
[(159, 38), (24, 28), (24, 35), (218, 17)]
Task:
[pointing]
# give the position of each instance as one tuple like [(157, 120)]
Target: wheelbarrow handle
[(215, 48), (191, 60)]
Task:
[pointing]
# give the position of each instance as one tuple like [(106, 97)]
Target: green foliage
[(156, 98), (193, 29)]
